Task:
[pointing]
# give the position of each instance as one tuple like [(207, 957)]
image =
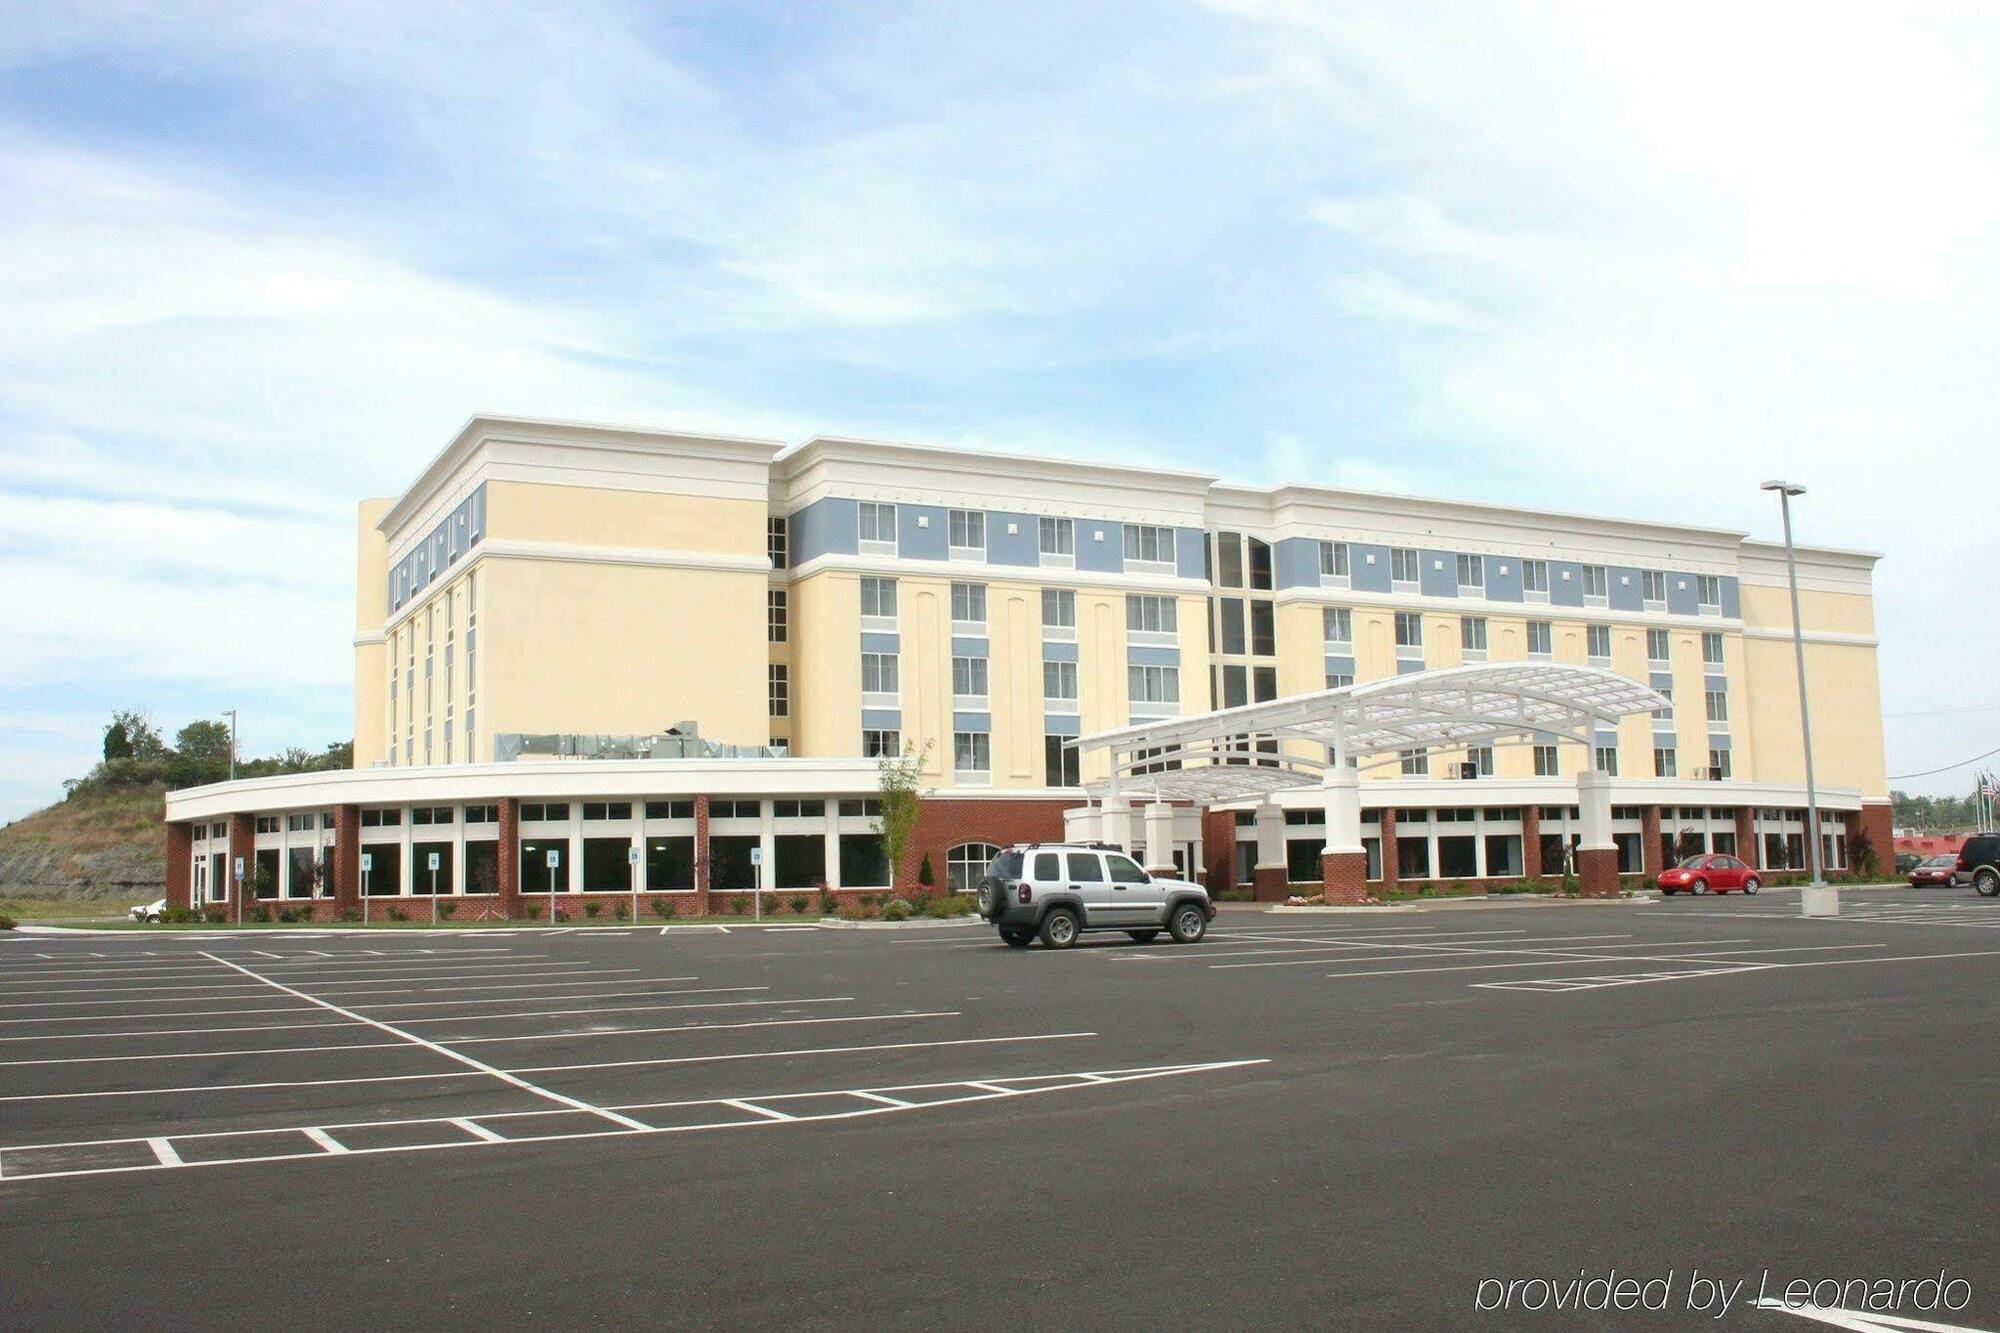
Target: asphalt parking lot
[(1345, 1119)]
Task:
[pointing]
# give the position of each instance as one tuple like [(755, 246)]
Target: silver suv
[(1059, 890)]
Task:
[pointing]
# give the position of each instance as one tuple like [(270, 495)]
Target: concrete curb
[(1512, 901), (918, 923)]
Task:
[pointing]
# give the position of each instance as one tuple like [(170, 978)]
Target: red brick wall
[(1649, 840), (180, 862), (1597, 871), (1531, 841), (1388, 849), (701, 866), (1747, 849), (1218, 849), (1344, 876), (242, 843), (944, 823), (1878, 821), (509, 856), (346, 858)]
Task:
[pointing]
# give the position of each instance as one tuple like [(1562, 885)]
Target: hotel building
[(672, 660)]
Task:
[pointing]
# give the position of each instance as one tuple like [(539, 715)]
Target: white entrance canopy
[(1480, 703)]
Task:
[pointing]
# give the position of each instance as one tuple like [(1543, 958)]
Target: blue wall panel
[(1061, 724), (967, 646), (882, 719), (1190, 553), (914, 542), (1296, 563), (1022, 547), (1565, 591), (1107, 556), (1732, 599), (824, 527), (1434, 581), (880, 643), (1138, 656), (1365, 576), (1681, 593), (1503, 587), (1057, 651), (1627, 588), (972, 721)]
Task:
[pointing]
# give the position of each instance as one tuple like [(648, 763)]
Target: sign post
[(239, 890), (757, 882), (434, 888), (554, 859), (367, 864), (632, 871)]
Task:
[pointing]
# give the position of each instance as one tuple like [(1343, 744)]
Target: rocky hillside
[(100, 843)]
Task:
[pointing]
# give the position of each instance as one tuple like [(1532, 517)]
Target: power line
[(1904, 777), (1948, 712)]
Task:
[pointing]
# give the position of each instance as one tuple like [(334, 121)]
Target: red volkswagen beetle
[(1713, 872)]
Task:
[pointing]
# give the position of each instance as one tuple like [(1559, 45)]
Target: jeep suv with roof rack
[(1055, 891)]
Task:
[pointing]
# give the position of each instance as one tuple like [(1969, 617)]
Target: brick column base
[(1271, 884), (346, 859), (1597, 871), (1218, 849), (180, 861), (507, 892), (1344, 876), (1747, 850), (1649, 840), (1389, 855), (1878, 821), (1531, 841)]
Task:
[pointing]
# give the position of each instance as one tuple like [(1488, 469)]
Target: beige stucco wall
[(1826, 612), (371, 606), (826, 635), (1846, 715), (593, 516)]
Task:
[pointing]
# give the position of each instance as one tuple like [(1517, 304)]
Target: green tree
[(142, 739), (899, 778), (201, 754), (117, 740)]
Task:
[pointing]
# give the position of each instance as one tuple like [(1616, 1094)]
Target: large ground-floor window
[(536, 876), (965, 864), (607, 865), (863, 863), (422, 879), (264, 872), (669, 864), (482, 867), (303, 873), (801, 860), (730, 870), (382, 873)]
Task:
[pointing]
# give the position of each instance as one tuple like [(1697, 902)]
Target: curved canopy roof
[(1448, 708)]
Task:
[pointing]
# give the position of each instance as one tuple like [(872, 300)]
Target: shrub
[(446, 907), (897, 910), (828, 904), (738, 905), (6, 922), (949, 905), (592, 909), (398, 914), (351, 914), (796, 906), (665, 908), (925, 875)]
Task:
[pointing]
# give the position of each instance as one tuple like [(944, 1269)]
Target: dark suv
[(1979, 862), (1059, 890)]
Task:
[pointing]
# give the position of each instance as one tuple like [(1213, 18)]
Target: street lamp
[(230, 713), (1817, 898)]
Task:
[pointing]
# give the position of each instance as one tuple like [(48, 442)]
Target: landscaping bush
[(6, 922), (665, 908), (925, 875), (739, 905), (949, 905), (828, 904), (398, 914), (797, 906), (896, 910), (351, 914), (446, 908), (592, 909)]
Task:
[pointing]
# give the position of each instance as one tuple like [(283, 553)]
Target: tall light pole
[(1817, 898), (230, 713)]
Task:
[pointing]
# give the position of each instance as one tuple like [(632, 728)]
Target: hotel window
[(1263, 630), (1605, 759), (1472, 631), (1541, 639), (1151, 615), (1154, 684), (1229, 559), (1057, 541), (267, 823), (1058, 613), (384, 818), (603, 811), (968, 532), (1718, 765), (1718, 707), (881, 743), (1654, 589), (1416, 763), (1403, 572), (1409, 634), (471, 659), (1479, 759), (971, 752), (1472, 571), (1334, 566), (968, 604), (1708, 592), (1596, 586), (880, 676), (1061, 761), (1656, 645), (1235, 686), (555, 812), (775, 603), (482, 814), (1230, 609), (1339, 680), (1149, 545), (968, 677), (1711, 648), (875, 524), (781, 690), (298, 823), (1059, 685), (878, 598), (1598, 637), (1338, 626), (1535, 580), (1665, 763), (1545, 761), (776, 543), (1263, 684), (1260, 564)]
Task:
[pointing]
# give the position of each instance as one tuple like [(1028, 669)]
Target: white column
[(1270, 834), (1342, 788), (1159, 836), (1593, 803), (1116, 818)]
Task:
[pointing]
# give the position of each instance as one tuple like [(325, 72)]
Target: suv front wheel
[(1987, 882), (1188, 924), (1059, 928)]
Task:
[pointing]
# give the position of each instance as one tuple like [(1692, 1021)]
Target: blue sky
[(258, 262)]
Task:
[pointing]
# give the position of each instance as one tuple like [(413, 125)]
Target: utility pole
[(1817, 898)]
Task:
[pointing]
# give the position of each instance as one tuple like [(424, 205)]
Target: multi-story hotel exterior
[(546, 591)]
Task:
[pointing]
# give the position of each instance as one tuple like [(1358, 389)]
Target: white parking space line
[(538, 999), (803, 1052), (164, 1152), (753, 1108), (59, 990), (1316, 957), (707, 1027), (325, 1140), (477, 1130), (175, 1032), (616, 1009)]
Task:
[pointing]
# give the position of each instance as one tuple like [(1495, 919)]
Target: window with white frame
[(1472, 571), (775, 614), (881, 679), (1718, 765), (1337, 624), (1654, 589), (968, 533), (1409, 634), (971, 752), (1545, 762), (968, 678), (1150, 615), (1334, 560), (1596, 585), (1656, 646), (1535, 580), (1718, 708), (1480, 757), (1708, 592), (875, 526), (1339, 680), (1059, 686), (1604, 758), (1415, 763), (878, 600), (1598, 644), (1472, 633), (881, 742), (777, 542), (1403, 569), (1541, 639), (1149, 545), (1711, 648), (1665, 762), (781, 690), (1154, 684), (968, 604), (1056, 541), (1058, 613)]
